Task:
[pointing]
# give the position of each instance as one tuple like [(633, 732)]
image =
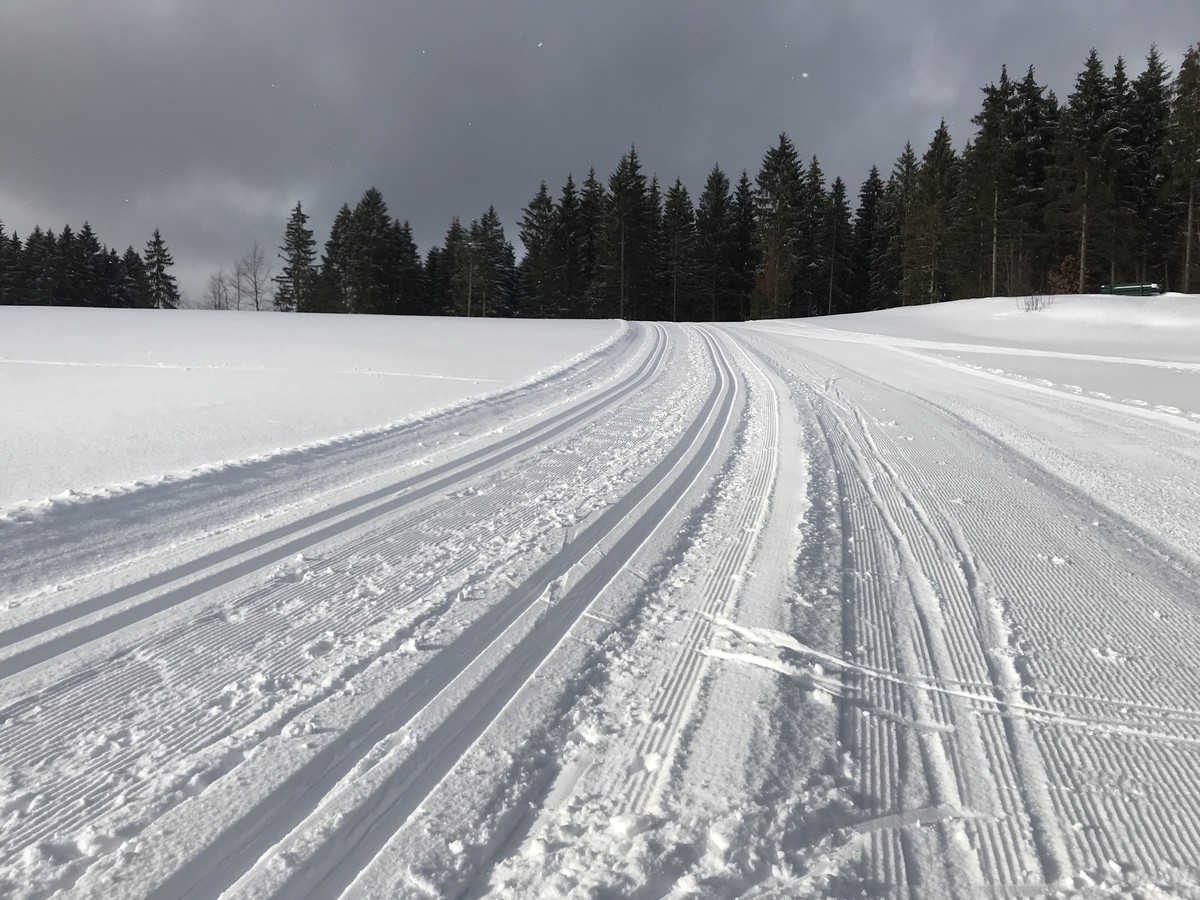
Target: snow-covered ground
[(898, 604), (95, 400)]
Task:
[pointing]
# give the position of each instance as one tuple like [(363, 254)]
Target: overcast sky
[(209, 119)]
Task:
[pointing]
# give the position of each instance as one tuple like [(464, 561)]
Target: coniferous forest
[(1047, 196)]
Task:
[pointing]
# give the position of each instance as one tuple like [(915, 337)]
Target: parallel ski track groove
[(681, 683), (1046, 774), (228, 565), (239, 849), (187, 722)]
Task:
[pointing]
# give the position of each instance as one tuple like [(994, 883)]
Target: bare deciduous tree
[(252, 275), (216, 293)]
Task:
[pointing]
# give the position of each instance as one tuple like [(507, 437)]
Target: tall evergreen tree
[(135, 281), (332, 295), (66, 279), (679, 232), (295, 284), (1183, 148), (866, 221), (837, 242), (627, 263), (777, 201), (988, 181), (927, 274), (1149, 119), (405, 271), (163, 291), (369, 259), (9, 257), (889, 272), (1033, 139), (593, 214), (745, 258), (655, 301), (494, 279), (715, 233), (1085, 165), (437, 282), (537, 234), (1119, 225), (566, 253), (811, 251)]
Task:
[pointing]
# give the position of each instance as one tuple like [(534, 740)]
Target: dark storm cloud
[(210, 118)]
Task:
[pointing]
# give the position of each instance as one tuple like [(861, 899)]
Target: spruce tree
[(135, 281), (1085, 166), (655, 303), (988, 184), (1033, 138), (163, 292), (1119, 225), (494, 275), (405, 271), (888, 273), (744, 264), (715, 232), (777, 201), (332, 295), (463, 264), (437, 283), (927, 275), (109, 279), (1183, 148), (1149, 119), (90, 267), (296, 282), (811, 251), (679, 233), (837, 242), (626, 265), (369, 260), (7, 269), (566, 254), (866, 219), (537, 234), (593, 213)]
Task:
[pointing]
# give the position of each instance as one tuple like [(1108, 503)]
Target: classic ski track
[(675, 694), (191, 654), (249, 840), (120, 608), (964, 598), (233, 495)]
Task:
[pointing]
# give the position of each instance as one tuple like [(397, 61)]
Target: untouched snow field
[(899, 604)]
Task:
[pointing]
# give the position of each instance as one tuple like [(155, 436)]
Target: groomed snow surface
[(897, 604)]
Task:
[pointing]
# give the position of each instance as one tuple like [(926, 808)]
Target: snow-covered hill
[(900, 604)]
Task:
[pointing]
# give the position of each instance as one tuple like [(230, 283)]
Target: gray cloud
[(210, 118)]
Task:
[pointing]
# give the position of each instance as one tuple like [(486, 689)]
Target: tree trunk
[(1083, 237), (832, 266), (1187, 253), (995, 233), (622, 315)]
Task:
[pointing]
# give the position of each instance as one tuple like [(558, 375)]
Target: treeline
[(74, 269), (1045, 197)]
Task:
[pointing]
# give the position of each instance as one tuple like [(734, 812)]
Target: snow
[(128, 395), (893, 604)]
